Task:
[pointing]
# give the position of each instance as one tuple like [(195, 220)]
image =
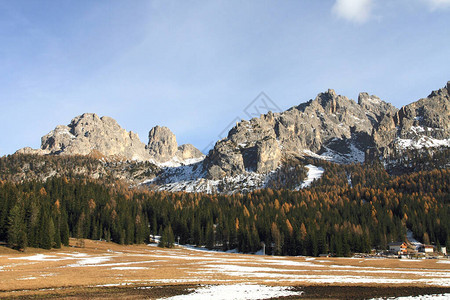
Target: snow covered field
[(210, 273)]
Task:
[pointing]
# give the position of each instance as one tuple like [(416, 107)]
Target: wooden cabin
[(398, 248)]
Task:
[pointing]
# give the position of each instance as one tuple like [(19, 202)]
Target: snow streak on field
[(238, 292), (422, 297)]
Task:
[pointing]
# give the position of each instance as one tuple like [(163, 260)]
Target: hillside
[(349, 209)]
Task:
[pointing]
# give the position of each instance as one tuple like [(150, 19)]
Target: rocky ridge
[(331, 127), (421, 124), (88, 133), (164, 149)]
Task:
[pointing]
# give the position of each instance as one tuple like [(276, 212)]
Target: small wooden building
[(398, 248), (426, 249)]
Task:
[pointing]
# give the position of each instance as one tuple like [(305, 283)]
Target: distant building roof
[(396, 243)]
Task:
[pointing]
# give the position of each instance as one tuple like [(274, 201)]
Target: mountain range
[(330, 127)]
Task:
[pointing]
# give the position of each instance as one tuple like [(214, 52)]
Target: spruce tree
[(17, 237)]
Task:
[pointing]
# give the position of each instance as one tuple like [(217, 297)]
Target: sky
[(199, 66)]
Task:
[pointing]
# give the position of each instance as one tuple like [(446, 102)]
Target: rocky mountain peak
[(187, 152), (443, 92), (163, 147), (162, 143), (424, 123), (89, 132), (103, 136), (331, 125), (375, 108), (328, 100), (328, 122)]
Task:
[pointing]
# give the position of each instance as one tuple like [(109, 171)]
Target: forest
[(351, 209)]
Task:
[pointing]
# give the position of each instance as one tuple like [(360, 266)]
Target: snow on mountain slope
[(177, 162), (354, 155), (422, 142), (191, 178), (314, 173)]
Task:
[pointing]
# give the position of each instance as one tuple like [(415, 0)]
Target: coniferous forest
[(352, 208)]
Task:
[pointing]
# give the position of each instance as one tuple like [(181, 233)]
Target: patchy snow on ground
[(350, 279), (39, 257), (238, 291), (74, 254), (90, 261), (129, 268), (314, 173), (27, 278), (238, 270), (290, 263), (352, 274), (420, 297), (130, 263)]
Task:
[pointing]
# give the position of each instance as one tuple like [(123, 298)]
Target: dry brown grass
[(102, 265)]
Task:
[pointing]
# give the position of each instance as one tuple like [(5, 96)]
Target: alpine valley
[(329, 176)]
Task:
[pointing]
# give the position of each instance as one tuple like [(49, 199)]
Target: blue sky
[(194, 66)]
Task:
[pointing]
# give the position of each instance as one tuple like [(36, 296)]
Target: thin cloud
[(438, 4), (358, 11)]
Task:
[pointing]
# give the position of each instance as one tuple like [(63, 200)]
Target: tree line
[(350, 209)]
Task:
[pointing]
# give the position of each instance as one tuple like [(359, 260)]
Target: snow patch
[(315, 155), (422, 142), (129, 268), (91, 261), (314, 173), (420, 297), (349, 180), (239, 291), (191, 178), (39, 257), (412, 240), (417, 129), (353, 156), (176, 162)]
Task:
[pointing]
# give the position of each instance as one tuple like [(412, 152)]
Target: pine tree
[(167, 239), (17, 237), (163, 240), (46, 230), (210, 236), (170, 237), (64, 229), (277, 239)]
